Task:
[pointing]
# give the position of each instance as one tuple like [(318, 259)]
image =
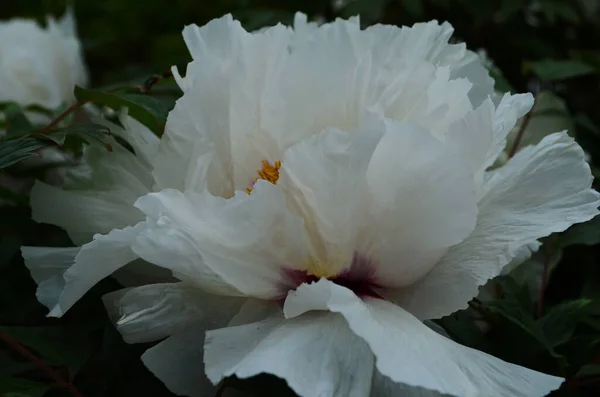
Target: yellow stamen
[(319, 269), (269, 172)]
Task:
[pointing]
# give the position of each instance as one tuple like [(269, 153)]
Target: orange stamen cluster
[(269, 172)]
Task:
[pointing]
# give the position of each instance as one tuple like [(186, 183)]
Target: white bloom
[(97, 197), (40, 65), (343, 173)]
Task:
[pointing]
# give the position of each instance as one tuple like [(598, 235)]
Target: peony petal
[(219, 120), (423, 202), (177, 362), (472, 137), (510, 109), (118, 178), (156, 311), (397, 48), (96, 260), (324, 180), (229, 246), (542, 190), (47, 266), (472, 68), (428, 360), (316, 354)]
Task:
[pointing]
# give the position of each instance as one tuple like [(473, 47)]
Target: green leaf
[(9, 248), (559, 70), (587, 233), (414, 7), (589, 370), (146, 109), (513, 311), (65, 346), (89, 132), (559, 323), (16, 387), (556, 9), (8, 195), (462, 328), (13, 151), (17, 123), (583, 120), (508, 8)]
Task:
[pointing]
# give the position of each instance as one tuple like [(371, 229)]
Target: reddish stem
[(220, 389), (62, 116), (521, 132), (152, 81), (16, 346), (544, 281)]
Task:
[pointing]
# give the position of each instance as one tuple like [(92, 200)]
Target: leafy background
[(545, 315)]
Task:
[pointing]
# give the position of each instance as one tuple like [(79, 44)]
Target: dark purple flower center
[(359, 277)]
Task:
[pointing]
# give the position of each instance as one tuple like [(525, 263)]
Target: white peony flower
[(97, 197), (40, 65), (318, 193)]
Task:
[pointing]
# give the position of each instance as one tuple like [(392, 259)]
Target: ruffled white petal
[(47, 266), (177, 362), (250, 96), (472, 136), (229, 246), (117, 179), (156, 311), (221, 117), (96, 260), (316, 354), (324, 180), (542, 190), (395, 47), (510, 109), (409, 352), (423, 202)]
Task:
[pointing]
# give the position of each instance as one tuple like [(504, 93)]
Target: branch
[(152, 81), (61, 117), (523, 127), (544, 281), (221, 389), (16, 346)]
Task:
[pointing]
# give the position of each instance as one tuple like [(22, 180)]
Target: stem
[(523, 127), (152, 81), (544, 281), (221, 389), (62, 116), (16, 346)]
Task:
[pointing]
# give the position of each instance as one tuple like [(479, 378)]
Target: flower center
[(359, 277), (269, 172), (319, 269)]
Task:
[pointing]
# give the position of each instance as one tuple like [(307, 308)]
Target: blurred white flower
[(40, 65), (318, 193)]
